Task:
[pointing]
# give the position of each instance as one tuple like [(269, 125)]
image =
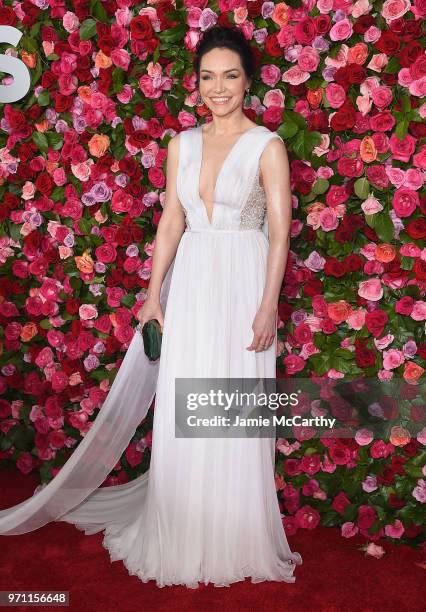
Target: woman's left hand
[(264, 328)]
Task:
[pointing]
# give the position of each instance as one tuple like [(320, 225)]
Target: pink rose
[(120, 58), (396, 530), (295, 76), (134, 457), (335, 95), (307, 517), (342, 30), (25, 463), (356, 319), (121, 201), (308, 59), (371, 289), (87, 311), (270, 74), (310, 464), (404, 148), (56, 439), (392, 359), (419, 311), (68, 62), (374, 550), (290, 525), (380, 450), (59, 381), (405, 202), (293, 364), (114, 295), (382, 96), (405, 305), (349, 530), (328, 219), (394, 9), (371, 206), (45, 357), (364, 436)]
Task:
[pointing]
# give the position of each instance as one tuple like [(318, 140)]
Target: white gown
[(207, 509)]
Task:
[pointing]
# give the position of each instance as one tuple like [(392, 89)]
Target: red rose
[(106, 253), (141, 28), (343, 119), (272, 46), (356, 73), (364, 357), (363, 23), (340, 502), (7, 16), (419, 269), (387, 477), (305, 30), (366, 516), (44, 183), (388, 43), (410, 53), (395, 502), (334, 267), (377, 175), (376, 321), (416, 228)]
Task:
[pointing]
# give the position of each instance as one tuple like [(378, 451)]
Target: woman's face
[(223, 82)]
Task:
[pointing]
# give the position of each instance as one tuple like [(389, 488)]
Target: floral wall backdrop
[(82, 180)]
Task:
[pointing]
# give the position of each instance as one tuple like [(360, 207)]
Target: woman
[(207, 509)]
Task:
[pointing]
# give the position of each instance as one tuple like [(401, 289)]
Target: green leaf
[(172, 35), (293, 117), (46, 324), (128, 300), (41, 141), (87, 29), (287, 130), (382, 225), (305, 142), (15, 232), (57, 194), (44, 98), (98, 11), (362, 188), (402, 129), (85, 226), (118, 79), (320, 186), (28, 44), (55, 140)]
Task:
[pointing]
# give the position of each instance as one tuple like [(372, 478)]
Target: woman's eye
[(231, 76)]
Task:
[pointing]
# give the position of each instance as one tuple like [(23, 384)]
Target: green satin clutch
[(151, 335)]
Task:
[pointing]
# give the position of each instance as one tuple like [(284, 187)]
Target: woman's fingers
[(260, 343)]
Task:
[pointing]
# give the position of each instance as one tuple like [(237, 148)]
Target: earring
[(199, 100), (247, 98)]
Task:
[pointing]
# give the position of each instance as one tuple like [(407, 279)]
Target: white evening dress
[(207, 508)]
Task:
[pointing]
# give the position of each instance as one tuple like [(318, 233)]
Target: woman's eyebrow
[(229, 70)]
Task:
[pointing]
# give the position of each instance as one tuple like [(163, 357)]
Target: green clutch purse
[(151, 335)]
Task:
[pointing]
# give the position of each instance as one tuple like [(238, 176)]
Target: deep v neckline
[(221, 170)]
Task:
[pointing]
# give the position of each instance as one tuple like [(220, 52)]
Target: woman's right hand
[(151, 309)]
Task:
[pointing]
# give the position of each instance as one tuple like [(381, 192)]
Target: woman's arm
[(171, 225), (275, 172)]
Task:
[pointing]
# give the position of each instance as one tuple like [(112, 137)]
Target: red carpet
[(335, 575)]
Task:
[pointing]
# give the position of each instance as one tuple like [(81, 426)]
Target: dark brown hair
[(230, 38)]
